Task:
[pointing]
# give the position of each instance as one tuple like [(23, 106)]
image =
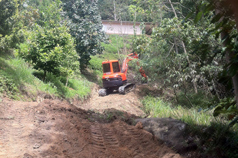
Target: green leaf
[(208, 8), (198, 17), (233, 122)]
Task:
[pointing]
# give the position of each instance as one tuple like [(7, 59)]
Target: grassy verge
[(213, 135), (18, 82), (157, 107)]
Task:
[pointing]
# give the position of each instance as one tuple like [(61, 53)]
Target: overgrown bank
[(21, 82), (214, 136)]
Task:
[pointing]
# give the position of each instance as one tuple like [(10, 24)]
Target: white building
[(123, 27)]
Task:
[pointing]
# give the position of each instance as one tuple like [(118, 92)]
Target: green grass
[(212, 132), (16, 69), (17, 80), (75, 88), (156, 107), (16, 77), (118, 42)]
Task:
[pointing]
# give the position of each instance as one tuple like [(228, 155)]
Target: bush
[(194, 100), (8, 86), (51, 50)]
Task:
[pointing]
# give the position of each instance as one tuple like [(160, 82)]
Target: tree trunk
[(229, 56), (67, 80), (176, 47), (235, 85), (176, 97), (115, 13), (44, 76)]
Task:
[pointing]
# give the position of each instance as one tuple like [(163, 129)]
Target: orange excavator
[(114, 77)]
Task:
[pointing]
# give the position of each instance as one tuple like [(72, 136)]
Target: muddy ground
[(101, 127)]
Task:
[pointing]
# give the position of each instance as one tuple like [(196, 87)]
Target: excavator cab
[(111, 66), (112, 76)]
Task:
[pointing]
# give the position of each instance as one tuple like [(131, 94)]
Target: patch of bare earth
[(127, 103), (54, 128)]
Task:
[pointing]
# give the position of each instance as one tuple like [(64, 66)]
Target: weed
[(8, 86), (109, 116)]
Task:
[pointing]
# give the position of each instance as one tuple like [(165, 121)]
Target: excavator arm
[(129, 58), (142, 71)]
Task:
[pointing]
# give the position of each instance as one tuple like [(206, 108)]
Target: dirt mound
[(55, 128)]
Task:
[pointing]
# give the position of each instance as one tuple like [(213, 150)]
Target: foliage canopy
[(85, 25)]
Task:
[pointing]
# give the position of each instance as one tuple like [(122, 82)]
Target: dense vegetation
[(193, 54), (46, 46)]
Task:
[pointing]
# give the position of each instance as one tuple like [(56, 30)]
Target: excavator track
[(126, 88), (122, 89)]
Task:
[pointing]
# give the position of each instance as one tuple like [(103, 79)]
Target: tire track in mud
[(110, 139), (140, 143), (118, 139), (97, 139)]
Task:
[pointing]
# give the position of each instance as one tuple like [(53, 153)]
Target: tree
[(146, 11), (227, 10), (117, 10), (156, 10), (181, 53), (9, 24), (85, 25), (7, 10), (49, 47), (50, 50), (226, 20)]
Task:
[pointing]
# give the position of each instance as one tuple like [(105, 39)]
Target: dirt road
[(54, 128), (127, 103)]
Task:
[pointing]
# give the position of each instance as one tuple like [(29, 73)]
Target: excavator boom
[(126, 60), (129, 58)]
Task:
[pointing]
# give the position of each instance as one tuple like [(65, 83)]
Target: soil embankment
[(54, 128)]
